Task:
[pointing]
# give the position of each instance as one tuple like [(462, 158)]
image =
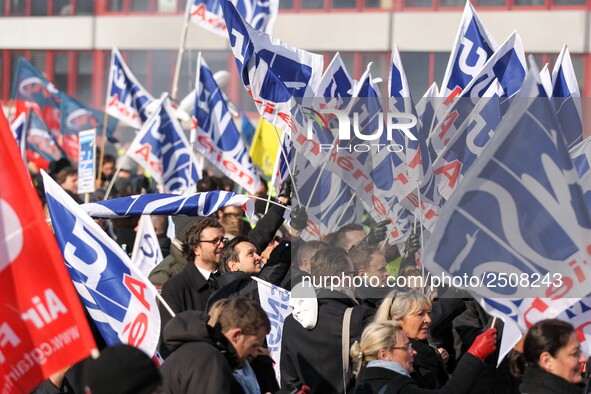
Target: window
[(312, 4), (18, 7), (114, 5), (60, 70), (163, 69), (38, 8), (416, 66), (138, 63), (84, 77), (84, 7), (286, 5), (141, 5), (344, 4), (418, 3)]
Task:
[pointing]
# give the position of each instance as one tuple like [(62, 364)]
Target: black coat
[(429, 369), (313, 357), (384, 381), (187, 290), (202, 359), (538, 381)]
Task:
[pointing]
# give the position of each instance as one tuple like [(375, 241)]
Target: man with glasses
[(191, 288)]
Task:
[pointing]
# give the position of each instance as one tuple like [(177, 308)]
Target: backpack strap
[(345, 345)]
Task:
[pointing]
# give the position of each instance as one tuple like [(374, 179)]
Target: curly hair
[(192, 237)]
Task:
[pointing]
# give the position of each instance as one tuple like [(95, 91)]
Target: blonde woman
[(387, 357), (412, 309)]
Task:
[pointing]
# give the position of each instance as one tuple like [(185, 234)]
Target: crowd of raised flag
[(491, 179)]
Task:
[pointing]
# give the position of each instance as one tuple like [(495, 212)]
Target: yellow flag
[(263, 149)]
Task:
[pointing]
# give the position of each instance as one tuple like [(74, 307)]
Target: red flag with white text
[(42, 326)]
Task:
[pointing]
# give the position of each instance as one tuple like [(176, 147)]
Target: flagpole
[(102, 154), (353, 195), (115, 175), (387, 233), (193, 133), (287, 163), (179, 58), (421, 224), (270, 189), (320, 174), (271, 202)]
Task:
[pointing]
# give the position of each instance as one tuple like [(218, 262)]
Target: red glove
[(484, 345)]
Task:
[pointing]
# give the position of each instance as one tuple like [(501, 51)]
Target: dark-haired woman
[(551, 359)]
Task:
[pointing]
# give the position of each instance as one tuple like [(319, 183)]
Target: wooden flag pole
[(284, 154), (193, 133), (179, 57), (102, 154)]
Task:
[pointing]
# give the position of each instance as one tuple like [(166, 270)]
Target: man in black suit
[(191, 288)]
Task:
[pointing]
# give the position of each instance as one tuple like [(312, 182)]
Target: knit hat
[(123, 369)]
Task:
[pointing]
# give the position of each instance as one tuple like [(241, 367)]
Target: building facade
[(71, 40)]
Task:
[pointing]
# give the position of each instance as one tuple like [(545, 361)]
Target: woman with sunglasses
[(384, 358), (551, 359)]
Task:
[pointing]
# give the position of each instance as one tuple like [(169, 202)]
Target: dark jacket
[(188, 290), (313, 356), (240, 284), (202, 359), (429, 369), (538, 381), (384, 381), (265, 229), (260, 236)]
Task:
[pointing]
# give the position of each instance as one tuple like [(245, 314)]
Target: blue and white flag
[(567, 98), (581, 156), (275, 302), (162, 148), (313, 127), (146, 253), (272, 72), (282, 162), (507, 65), (372, 173), (332, 205), (546, 80), (217, 136), (418, 157), (473, 46), (416, 173), (517, 227), (336, 84), (579, 315), (334, 93), (468, 142), (120, 300), (127, 100), (259, 14), (41, 140), (426, 108), (198, 204), (18, 128)]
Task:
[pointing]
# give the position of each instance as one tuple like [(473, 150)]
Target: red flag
[(42, 325)]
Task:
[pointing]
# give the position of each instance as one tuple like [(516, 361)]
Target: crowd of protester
[(368, 339)]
